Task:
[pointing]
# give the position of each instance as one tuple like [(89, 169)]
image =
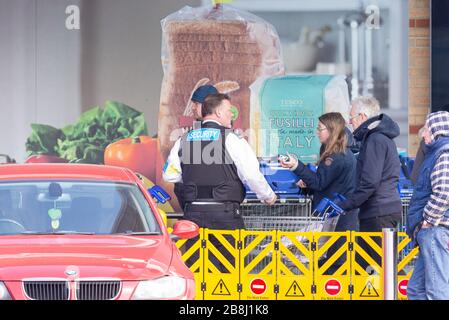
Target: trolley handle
[(312, 167), (335, 210), (159, 194), (287, 183), (338, 197), (322, 206), (327, 208)]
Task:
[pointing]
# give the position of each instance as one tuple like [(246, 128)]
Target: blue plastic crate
[(281, 180)]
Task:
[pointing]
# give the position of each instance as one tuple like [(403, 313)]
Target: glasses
[(321, 129), (353, 117)]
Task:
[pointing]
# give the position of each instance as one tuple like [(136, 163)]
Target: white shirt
[(241, 154)]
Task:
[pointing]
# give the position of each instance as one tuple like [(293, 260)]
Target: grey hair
[(367, 105)]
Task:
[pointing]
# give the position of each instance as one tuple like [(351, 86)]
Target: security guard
[(197, 100), (213, 163)]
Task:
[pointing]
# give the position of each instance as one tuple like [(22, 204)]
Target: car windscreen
[(34, 207)]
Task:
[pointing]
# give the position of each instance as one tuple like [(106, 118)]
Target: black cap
[(202, 92)]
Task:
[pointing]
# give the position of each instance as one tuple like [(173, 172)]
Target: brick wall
[(419, 69)]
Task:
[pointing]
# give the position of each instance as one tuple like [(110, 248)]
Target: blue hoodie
[(378, 169)]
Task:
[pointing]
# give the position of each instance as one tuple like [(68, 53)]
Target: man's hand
[(426, 225), (301, 184), (272, 201)]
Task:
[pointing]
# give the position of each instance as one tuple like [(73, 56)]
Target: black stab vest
[(208, 172)]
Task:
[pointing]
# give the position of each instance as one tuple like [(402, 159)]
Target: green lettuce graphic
[(85, 141)]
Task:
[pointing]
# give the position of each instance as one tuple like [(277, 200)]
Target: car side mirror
[(184, 229)]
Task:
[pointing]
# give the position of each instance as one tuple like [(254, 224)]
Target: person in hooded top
[(377, 175), (428, 214), (198, 97), (419, 158)]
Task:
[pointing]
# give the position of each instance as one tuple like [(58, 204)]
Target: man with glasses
[(378, 170)]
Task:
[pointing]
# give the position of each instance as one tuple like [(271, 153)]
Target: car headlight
[(168, 287), (4, 294)]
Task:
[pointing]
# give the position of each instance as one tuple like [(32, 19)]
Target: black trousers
[(375, 224), (215, 218)]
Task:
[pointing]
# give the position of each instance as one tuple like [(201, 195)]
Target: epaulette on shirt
[(238, 133)]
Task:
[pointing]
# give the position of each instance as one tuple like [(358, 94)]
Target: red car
[(86, 232)]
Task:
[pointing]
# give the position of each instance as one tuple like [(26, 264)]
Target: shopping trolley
[(323, 219), (405, 187), (405, 201), (292, 215), (406, 193)]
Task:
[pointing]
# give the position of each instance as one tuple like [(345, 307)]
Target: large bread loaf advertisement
[(221, 46)]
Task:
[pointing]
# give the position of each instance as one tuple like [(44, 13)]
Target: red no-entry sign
[(258, 286), (402, 286), (332, 287)]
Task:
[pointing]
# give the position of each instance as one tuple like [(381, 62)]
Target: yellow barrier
[(366, 272), (221, 257), (258, 265), (332, 260), (407, 255), (275, 265), (295, 270), (193, 256)]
